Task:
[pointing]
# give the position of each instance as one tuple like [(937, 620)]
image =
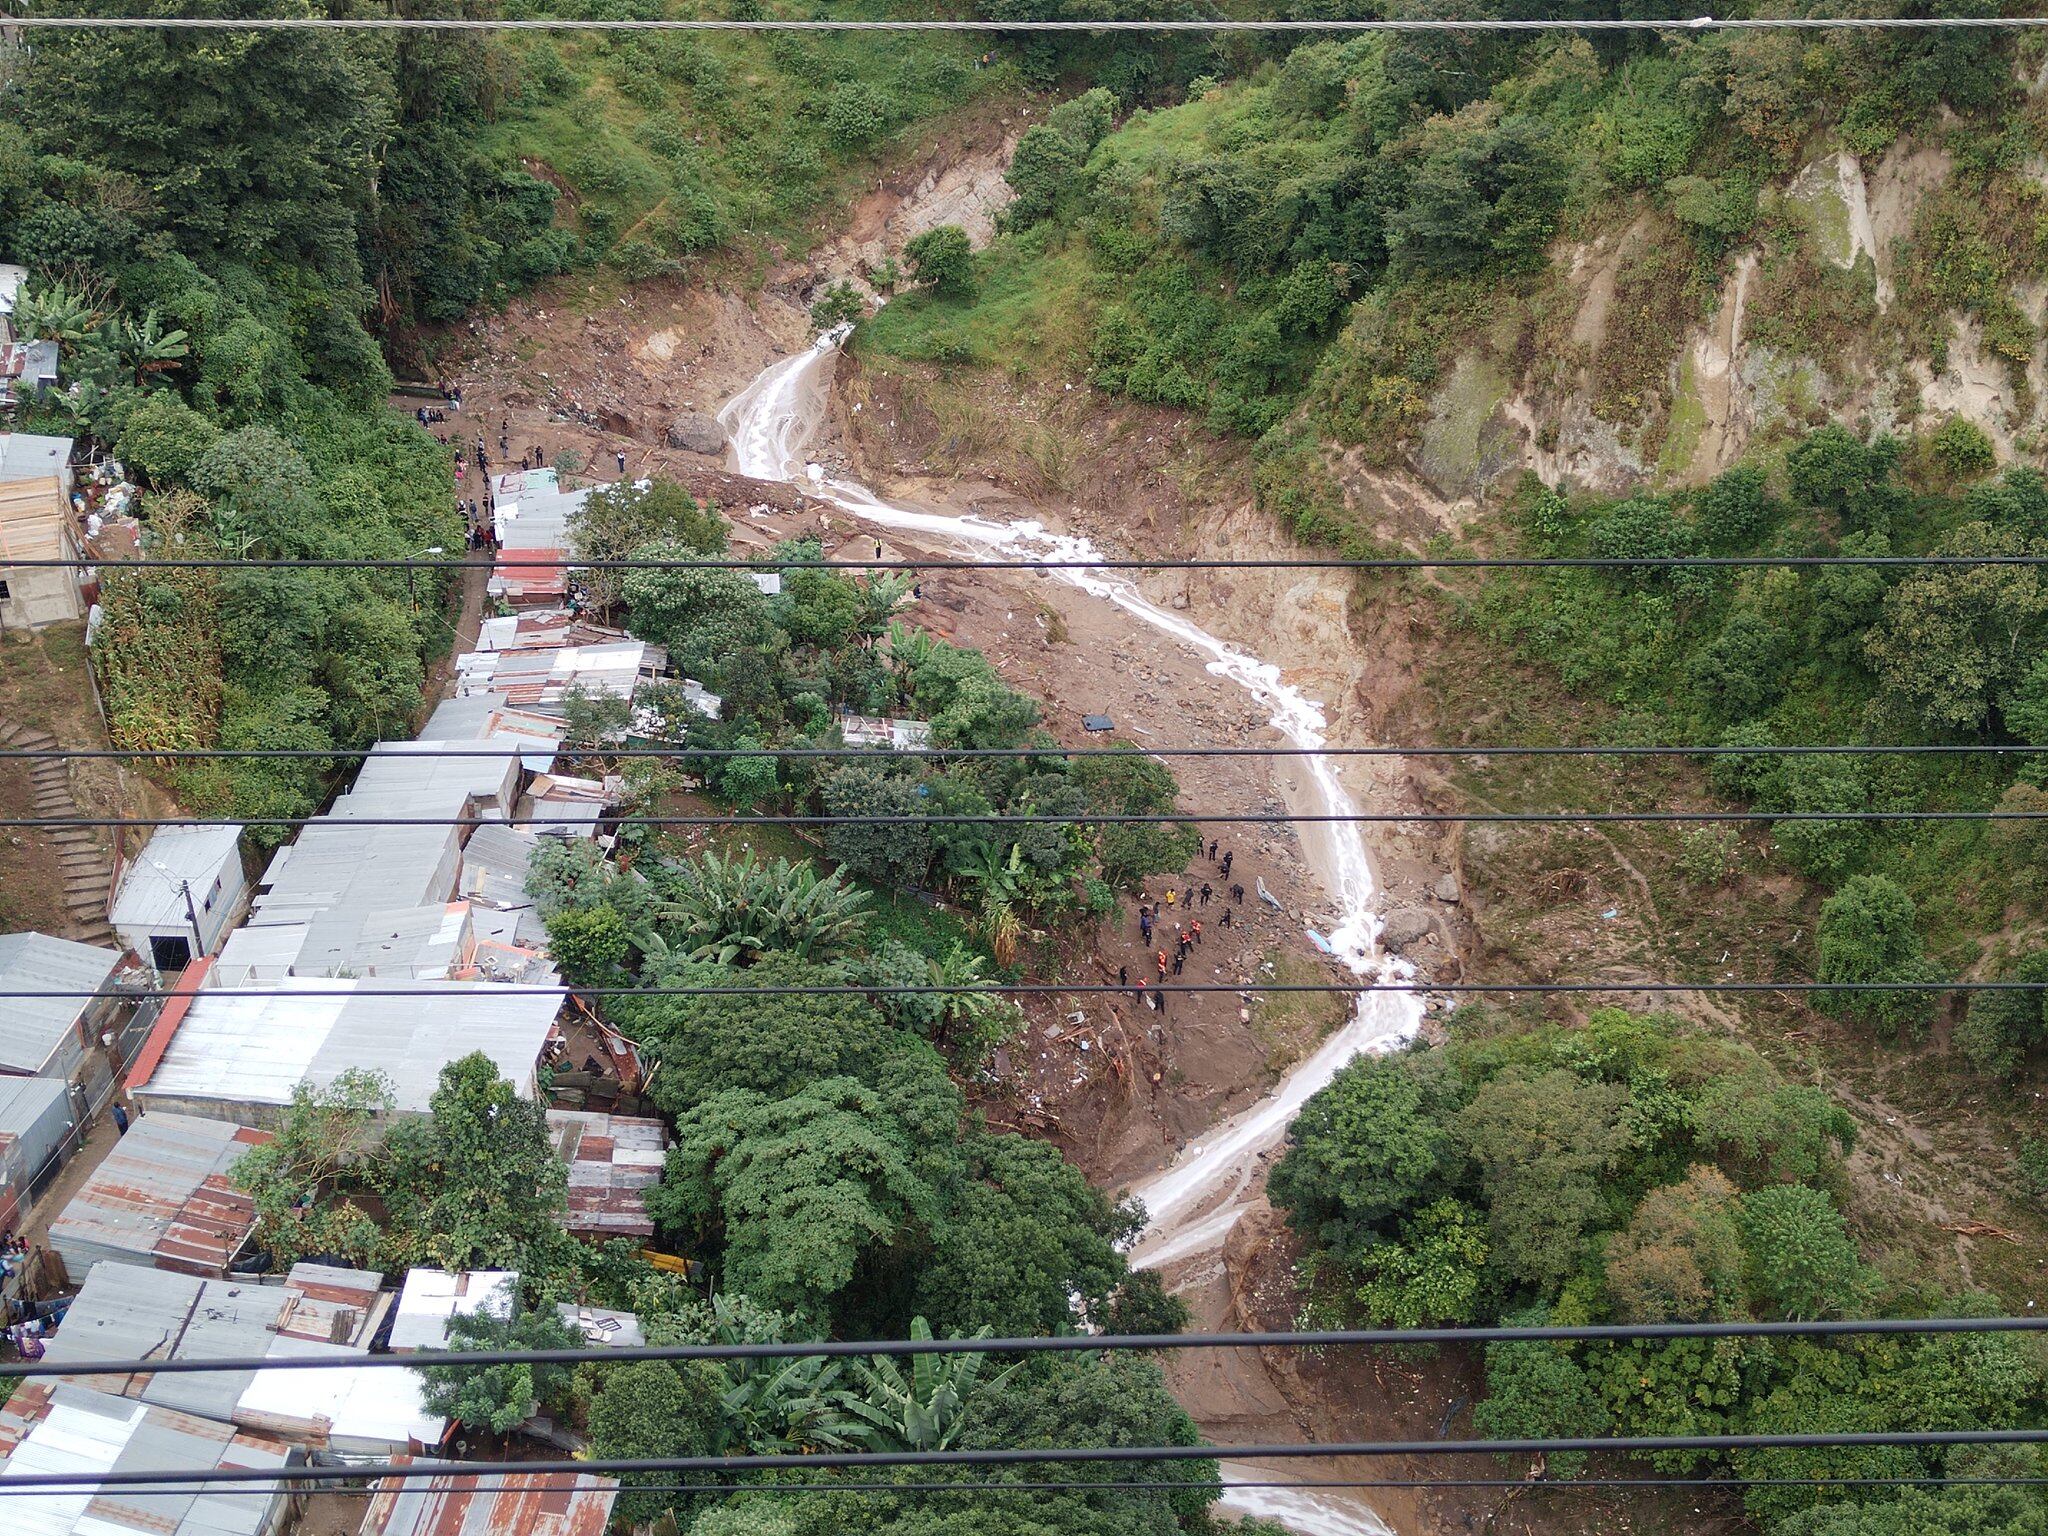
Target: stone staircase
[(88, 867)]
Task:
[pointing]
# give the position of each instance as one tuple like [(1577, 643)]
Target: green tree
[(1024, 1239), (589, 946), (1955, 641), (1432, 1274), (923, 1408), (1538, 1391), (651, 1409), (476, 1183), (164, 438), (499, 1398), (1372, 1145), (895, 853), (299, 1180), (1544, 1143), (2000, 1028), (619, 520), (1834, 471), (1680, 1257), (799, 1196), (942, 258), (1869, 933), (1484, 193), (1734, 511), (1798, 1259)]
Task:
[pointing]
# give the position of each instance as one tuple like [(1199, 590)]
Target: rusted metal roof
[(162, 1197), (518, 1504), (613, 1160), (58, 1428)]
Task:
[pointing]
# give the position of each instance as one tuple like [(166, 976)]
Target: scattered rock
[(1404, 926), (696, 432), (1446, 889)]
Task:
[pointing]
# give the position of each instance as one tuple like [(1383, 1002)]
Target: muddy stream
[(1199, 1197)]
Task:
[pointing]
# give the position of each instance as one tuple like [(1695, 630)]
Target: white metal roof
[(375, 1403), (247, 1047), (151, 893), (432, 1296), (31, 456), (32, 1027)]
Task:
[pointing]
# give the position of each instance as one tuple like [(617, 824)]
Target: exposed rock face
[(697, 432), (1406, 926)]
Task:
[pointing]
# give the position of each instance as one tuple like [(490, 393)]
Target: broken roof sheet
[(613, 1160)]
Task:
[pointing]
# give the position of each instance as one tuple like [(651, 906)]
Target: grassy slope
[(1941, 1139)]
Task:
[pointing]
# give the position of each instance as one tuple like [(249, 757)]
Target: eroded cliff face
[(1733, 381)]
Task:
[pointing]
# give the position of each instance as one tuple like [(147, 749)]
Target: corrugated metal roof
[(161, 1195), (25, 1100), (518, 1504), (32, 1027), (31, 456), (613, 1160), (59, 1430), (432, 1296), (250, 1047), (151, 892)]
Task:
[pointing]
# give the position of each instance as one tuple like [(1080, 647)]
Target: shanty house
[(432, 1297), (238, 1055), (126, 1312), (60, 1429), (58, 1036), (162, 1198), (613, 1161), (35, 1141), (460, 1503), (180, 894), (36, 524)]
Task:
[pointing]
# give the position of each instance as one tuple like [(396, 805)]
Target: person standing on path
[(1237, 894), (622, 462), (1196, 929), (1212, 851), (1205, 893), (1123, 975), (1226, 917), (1161, 958), (1228, 855), (1144, 926)]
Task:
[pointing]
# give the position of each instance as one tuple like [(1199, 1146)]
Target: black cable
[(477, 1482), (771, 564), (542, 744), (1049, 1344), (1077, 989), (1084, 818), (571, 24), (1634, 1445)]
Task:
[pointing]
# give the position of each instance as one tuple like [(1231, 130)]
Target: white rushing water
[(1194, 1202)]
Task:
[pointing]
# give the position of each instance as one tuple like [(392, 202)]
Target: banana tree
[(727, 910), (56, 312), (923, 1411), (145, 347)]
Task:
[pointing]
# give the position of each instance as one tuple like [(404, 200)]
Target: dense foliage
[(1634, 1171)]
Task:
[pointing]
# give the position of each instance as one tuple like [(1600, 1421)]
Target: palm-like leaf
[(924, 1412), (56, 312), (726, 910), (146, 347)]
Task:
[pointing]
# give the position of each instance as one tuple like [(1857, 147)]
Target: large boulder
[(696, 432), (1405, 926)]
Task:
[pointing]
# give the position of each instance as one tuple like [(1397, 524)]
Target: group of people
[(1187, 932)]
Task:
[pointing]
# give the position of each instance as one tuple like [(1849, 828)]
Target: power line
[(1323, 563), (565, 24), (1632, 1445), (537, 744), (1587, 1333), (1033, 819), (479, 1482), (441, 989)]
